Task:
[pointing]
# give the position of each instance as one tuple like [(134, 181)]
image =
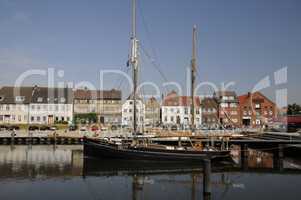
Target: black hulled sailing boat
[(140, 149)]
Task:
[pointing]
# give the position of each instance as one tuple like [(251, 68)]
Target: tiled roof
[(46, 95), (209, 102), (174, 100), (224, 93), (97, 94), (244, 98), (8, 94)]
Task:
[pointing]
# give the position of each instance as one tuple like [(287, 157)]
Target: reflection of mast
[(136, 186), (193, 186)]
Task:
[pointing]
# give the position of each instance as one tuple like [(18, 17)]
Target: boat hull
[(102, 150)]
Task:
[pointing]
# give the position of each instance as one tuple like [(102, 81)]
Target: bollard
[(207, 178)]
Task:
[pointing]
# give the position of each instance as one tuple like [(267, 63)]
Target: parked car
[(72, 127), (33, 128), (44, 128), (104, 129), (83, 128), (113, 127), (174, 128), (53, 128), (13, 127), (94, 128)]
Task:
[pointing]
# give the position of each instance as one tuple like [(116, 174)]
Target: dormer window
[(19, 98), (40, 99), (1, 98)]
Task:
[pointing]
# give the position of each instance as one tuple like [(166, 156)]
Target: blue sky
[(240, 41)]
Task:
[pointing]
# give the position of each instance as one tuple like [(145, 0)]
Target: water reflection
[(61, 172)]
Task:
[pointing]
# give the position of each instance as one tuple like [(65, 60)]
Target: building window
[(38, 118), (165, 118), (1, 117), (19, 118), (171, 118), (125, 110), (19, 98), (32, 118), (186, 111), (233, 105), (44, 118), (63, 100), (225, 98), (40, 99), (257, 105), (224, 105), (56, 108), (7, 107), (1, 107), (13, 117), (38, 107), (233, 112)]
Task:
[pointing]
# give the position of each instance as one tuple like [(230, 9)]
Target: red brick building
[(256, 110)]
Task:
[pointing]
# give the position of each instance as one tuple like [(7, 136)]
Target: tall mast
[(134, 62), (193, 71)]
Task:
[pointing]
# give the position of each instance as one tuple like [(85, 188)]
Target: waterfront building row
[(41, 105)]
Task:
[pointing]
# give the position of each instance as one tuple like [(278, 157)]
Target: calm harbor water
[(61, 172)]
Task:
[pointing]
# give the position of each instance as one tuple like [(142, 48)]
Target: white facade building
[(14, 104), (128, 113), (176, 110), (51, 105)]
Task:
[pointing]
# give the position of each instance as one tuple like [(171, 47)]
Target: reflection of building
[(209, 113), (43, 160), (106, 104), (128, 113), (176, 110), (14, 104), (152, 112), (228, 108), (256, 109)]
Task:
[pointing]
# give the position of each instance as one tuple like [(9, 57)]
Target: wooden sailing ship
[(139, 148)]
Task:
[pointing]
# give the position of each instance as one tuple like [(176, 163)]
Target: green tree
[(293, 109), (85, 118)]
